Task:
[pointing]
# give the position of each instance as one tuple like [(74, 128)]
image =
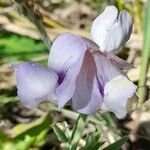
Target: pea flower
[(114, 27), (83, 71)]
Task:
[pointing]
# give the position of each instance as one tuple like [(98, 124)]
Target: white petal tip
[(121, 114)]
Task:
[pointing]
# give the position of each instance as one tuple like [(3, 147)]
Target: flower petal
[(117, 92), (87, 97), (118, 62), (105, 69), (65, 51), (102, 24), (119, 32), (109, 30), (35, 83), (66, 89), (126, 22), (65, 59), (90, 44)]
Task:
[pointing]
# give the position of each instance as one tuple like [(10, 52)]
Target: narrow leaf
[(116, 145), (60, 134), (32, 129), (93, 142), (77, 131)]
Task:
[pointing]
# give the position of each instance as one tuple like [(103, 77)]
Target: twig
[(28, 11)]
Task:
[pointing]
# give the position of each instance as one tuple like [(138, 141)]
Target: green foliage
[(3, 137), (25, 136), (27, 143), (14, 47), (6, 99), (32, 129), (60, 134), (116, 145), (105, 119), (14, 44), (93, 142), (77, 131)]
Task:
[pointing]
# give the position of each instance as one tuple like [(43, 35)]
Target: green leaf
[(93, 142), (14, 44), (15, 48), (8, 146), (3, 137), (106, 118), (32, 129), (116, 145), (60, 134), (77, 131), (28, 135), (23, 144), (41, 138), (6, 99)]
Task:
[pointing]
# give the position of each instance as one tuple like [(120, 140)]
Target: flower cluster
[(83, 71)]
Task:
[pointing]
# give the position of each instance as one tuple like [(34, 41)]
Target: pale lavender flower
[(114, 27), (82, 71)]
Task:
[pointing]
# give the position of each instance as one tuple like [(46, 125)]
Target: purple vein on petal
[(100, 85), (61, 77)]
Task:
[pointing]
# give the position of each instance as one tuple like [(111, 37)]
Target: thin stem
[(120, 5), (139, 12), (35, 19), (77, 131), (145, 57)]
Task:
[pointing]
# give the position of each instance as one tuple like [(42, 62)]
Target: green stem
[(139, 12), (77, 131), (145, 57), (120, 5)]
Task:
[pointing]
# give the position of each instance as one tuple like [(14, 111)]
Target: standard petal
[(119, 32), (65, 51), (65, 59), (102, 24), (117, 92), (35, 83), (87, 97)]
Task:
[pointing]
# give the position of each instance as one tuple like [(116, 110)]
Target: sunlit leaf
[(93, 142), (3, 137), (32, 129), (14, 48), (60, 133), (116, 145), (5, 100)]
